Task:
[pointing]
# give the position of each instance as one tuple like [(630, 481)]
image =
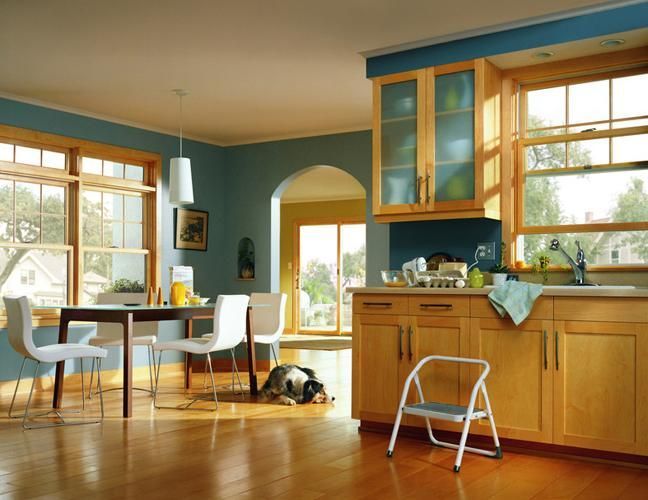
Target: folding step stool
[(452, 413)]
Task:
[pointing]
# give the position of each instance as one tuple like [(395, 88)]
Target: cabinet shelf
[(454, 162), (398, 119), (398, 167), (454, 111)]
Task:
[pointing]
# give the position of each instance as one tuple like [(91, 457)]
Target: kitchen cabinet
[(436, 143), (574, 373), (601, 376), (520, 381), (386, 347)]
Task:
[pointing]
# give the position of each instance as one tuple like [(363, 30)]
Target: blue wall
[(458, 238), (208, 174), (538, 35), (255, 171)]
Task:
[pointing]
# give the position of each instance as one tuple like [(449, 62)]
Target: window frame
[(75, 182), (579, 70)]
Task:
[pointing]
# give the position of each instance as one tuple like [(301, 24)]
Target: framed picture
[(191, 229)]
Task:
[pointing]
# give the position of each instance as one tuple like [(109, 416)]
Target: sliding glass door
[(330, 257)]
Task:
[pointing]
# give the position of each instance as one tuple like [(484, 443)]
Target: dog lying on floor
[(292, 384)]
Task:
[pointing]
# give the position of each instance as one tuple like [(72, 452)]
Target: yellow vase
[(177, 295)]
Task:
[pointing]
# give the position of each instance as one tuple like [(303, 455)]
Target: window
[(73, 212), (582, 159)]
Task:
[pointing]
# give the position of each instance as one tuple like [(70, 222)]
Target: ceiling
[(323, 183), (256, 70)]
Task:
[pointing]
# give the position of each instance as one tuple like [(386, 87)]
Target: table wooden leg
[(188, 358), (60, 366), (127, 324), (254, 390)]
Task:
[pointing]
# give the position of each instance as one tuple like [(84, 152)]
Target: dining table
[(126, 315)]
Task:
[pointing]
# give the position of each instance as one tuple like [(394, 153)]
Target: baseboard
[(108, 377), (515, 445), (225, 365)]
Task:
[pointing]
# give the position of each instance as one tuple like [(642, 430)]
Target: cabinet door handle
[(442, 306), (409, 343), (377, 304), (400, 341), (419, 199), (557, 355), (544, 347), (427, 188)]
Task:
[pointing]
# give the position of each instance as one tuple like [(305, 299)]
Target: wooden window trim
[(614, 62), (75, 182)]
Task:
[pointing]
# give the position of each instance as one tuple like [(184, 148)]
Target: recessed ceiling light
[(612, 42), (543, 55)]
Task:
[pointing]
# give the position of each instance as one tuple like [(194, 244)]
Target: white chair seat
[(193, 346), (59, 352), (111, 341)]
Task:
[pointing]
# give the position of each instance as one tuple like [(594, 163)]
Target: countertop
[(555, 291)]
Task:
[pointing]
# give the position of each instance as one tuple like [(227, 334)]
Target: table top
[(136, 307)]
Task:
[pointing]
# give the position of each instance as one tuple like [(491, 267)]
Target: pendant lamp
[(180, 184)]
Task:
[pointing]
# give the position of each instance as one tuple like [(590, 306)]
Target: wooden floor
[(251, 450)]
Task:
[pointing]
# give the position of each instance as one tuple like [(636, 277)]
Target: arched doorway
[(319, 217)]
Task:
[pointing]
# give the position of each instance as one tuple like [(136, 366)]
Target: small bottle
[(160, 299), (149, 297)]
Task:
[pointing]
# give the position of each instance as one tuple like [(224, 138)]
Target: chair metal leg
[(91, 379), (82, 386), (149, 352), (101, 402), (205, 375), (157, 380), (238, 376), (13, 399), (211, 376), (31, 391), (274, 354)]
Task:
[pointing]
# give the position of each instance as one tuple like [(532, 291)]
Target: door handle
[(427, 188), (444, 306), (400, 341), (557, 356), (409, 342), (419, 198), (544, 347)]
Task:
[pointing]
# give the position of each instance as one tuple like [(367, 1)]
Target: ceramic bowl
[(204, 300)]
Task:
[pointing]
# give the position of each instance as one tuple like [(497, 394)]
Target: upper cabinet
[(436, 143)]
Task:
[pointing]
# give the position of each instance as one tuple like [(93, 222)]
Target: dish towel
[(515, 298)]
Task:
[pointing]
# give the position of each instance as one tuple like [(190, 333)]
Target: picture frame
[(190, 229)]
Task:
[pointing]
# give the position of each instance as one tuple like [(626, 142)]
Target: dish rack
[(438, 279)]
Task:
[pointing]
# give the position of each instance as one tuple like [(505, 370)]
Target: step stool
[(448, 412)]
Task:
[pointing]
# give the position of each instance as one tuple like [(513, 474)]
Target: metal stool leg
[(491, 420), (238, 376), (91, 378), (274, 354)]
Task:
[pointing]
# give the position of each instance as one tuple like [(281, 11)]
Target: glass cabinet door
[(454, 132), (399, 147)]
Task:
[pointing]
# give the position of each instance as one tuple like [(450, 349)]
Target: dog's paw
[(284, 400)]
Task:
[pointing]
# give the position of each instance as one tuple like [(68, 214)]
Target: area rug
[(316, 342)]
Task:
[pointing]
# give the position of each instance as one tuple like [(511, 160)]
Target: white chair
[(268, 322), (112, 334), (448, 412), (230, 316), (21, 339), (267, 325)]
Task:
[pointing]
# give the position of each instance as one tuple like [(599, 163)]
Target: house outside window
[(582, 163), (75, 217)]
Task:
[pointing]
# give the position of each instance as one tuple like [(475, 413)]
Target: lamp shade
[(180, 184)]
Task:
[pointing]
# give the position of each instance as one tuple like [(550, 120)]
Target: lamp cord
[(474, 263)]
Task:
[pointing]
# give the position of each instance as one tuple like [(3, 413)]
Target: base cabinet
[(601, 385), (520, 381), (553, 379)]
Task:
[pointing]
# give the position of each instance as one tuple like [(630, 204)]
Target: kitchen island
[(573, 377)]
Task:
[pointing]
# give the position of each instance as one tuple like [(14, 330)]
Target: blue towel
[(515, 298)]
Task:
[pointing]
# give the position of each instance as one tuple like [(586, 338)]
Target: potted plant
[(500, 271), (542, 266)]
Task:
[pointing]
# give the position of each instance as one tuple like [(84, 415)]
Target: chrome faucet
[(579, 266)]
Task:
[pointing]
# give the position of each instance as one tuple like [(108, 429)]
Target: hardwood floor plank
[(260, 451)]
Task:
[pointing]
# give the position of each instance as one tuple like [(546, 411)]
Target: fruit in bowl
[(394, 278)]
